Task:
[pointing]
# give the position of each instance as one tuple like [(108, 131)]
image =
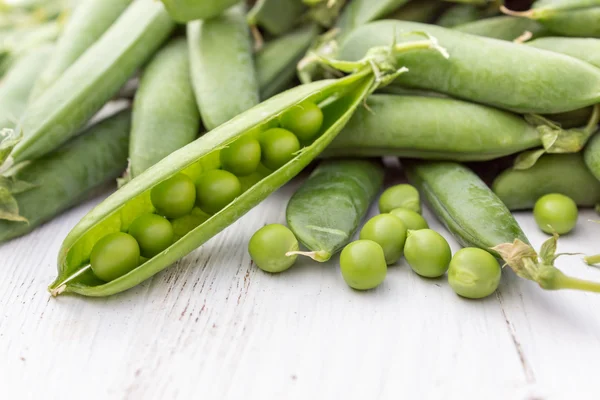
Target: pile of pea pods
[(490, 106)]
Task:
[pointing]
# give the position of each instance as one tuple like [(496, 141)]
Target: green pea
[(389, 232), (363, 264), (427, 253), (114, 255), (242, 157), (153, 233), (400, 196), (474, 273), (555, 213), (278, 147), (216, 189), (412, 220), (174, 197), (269, 246), (305, 120)]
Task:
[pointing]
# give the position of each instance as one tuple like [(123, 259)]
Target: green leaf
[(527, 159), (548, 250), (8, 140), (9, 209)]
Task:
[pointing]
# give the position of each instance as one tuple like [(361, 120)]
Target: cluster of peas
[(118, 253), (399, 230)]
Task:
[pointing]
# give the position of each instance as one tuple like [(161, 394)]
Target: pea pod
[(418, 11), (551, 83), (276, 60), (458, 15), (96, 76), (165, 115), (64, 177), (221, 65), (432, 128), (503, 27), (586, 49), (360, 12), (326, 211), (553, 173), (477, 217), (276, 16), (565, 17), (89, 21), (189, 10), (592, 157), (17, 84)]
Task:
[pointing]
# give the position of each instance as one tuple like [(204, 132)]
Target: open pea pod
[(338, 100)]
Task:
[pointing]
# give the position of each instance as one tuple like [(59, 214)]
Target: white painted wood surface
[(215, 327)]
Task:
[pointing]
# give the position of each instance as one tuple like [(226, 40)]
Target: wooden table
[(215, 327)]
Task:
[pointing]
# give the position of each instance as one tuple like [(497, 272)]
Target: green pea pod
[(418, 11), (565, 17), (503, 27), (551, 83), (586, 49), (165, 115), (189, 10), (96, 76), (89, 21), (572, 119), (458, 15), (17, 84), (276, 60), (360, 12), (432, 128), (276, 16), (477, 217), (221, 66), (591, 157), (326, 211), (553, 173), (37, 191)]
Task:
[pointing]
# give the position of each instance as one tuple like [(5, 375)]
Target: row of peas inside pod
[(180, 203), (399, 230)]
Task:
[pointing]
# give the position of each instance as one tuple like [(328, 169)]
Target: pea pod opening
[(328, 208)]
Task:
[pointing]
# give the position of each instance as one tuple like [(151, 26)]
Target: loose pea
[(363, 264), (305, 120), (474, 273), (427, 253), (555, 213), (412, 220), (114, 255), (216, 189), (389, 232), (174, 197), (153, 234), (269, 245), (278, 147), (241, 157), (400, 196)]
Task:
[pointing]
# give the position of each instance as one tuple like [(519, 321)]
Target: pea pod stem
[(319, 256), (592, 260)]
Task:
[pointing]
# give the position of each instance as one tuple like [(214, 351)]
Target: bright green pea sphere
[(400, 196), (278, 147), (216, 189), (389, 232), (153, 233), (474, 273), (363, 265), (427, 253), (304, 120), (174, 197), (412, 220), (114, 255), (269, 245), (555, 213), (242, 157)]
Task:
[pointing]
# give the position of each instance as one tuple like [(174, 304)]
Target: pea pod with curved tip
[(503, 27), (221, 65), (96, 76), (88, 22), (585, 49), (591, 156), (184, 11), (17, 85), (553, 173), (276, 16), (276, 60), (485, 70), (432, 128), (326, 211), (165, 115), (119, 210), (66, 176)]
